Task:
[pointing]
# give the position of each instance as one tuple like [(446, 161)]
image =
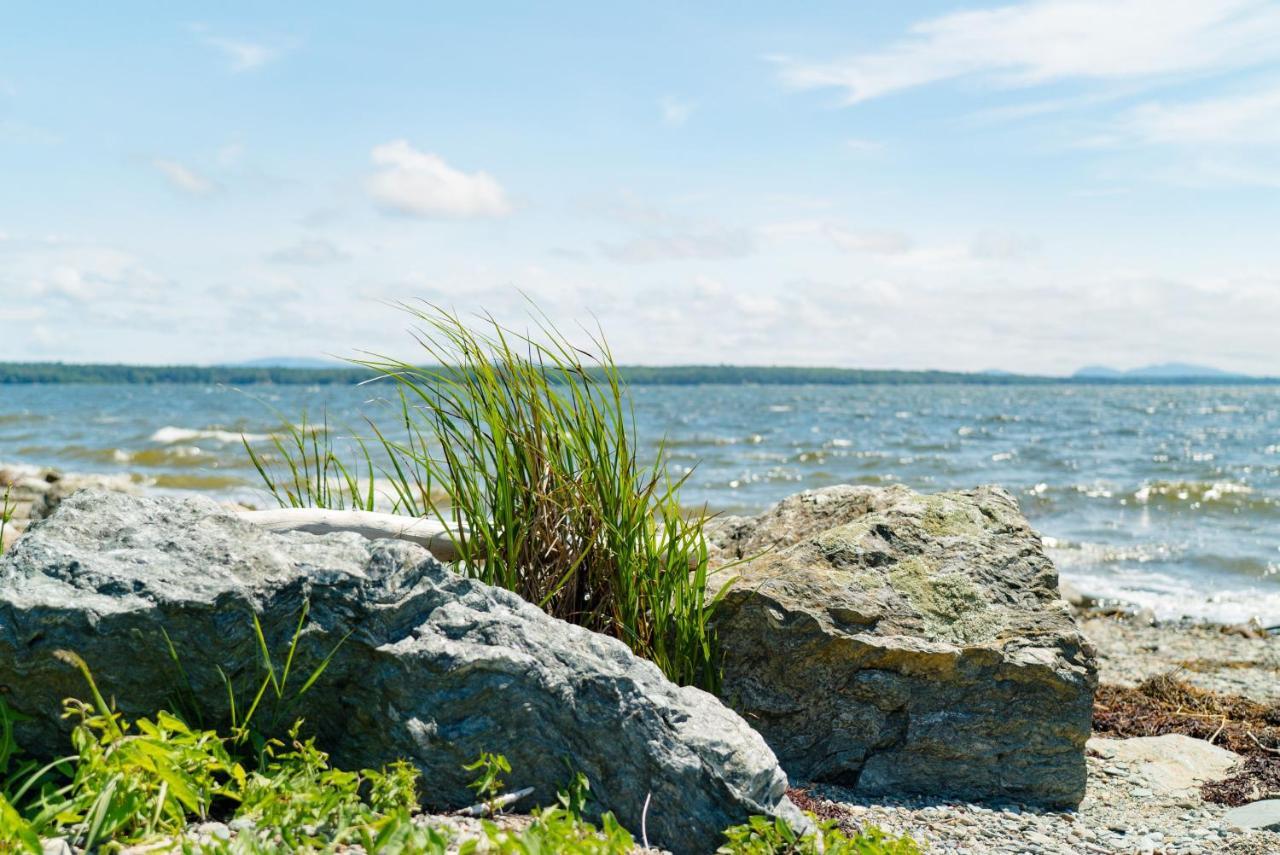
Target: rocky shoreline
[(1139, 795), (1133, 802)]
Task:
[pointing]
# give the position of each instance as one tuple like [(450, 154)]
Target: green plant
[(274, 687), (762, 836), (6, 514), (530, 439), (488, 785), (314, 475)]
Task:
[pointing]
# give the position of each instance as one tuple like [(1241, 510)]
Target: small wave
[(1066, 553), (1171, 598), (170, 435)]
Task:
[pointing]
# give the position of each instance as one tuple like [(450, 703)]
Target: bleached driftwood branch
[(429, 533), (488, 808)]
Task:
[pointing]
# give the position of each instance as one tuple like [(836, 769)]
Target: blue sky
[(1030, 187)]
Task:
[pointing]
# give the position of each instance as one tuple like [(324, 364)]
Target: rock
[(34, 493), (1258, 815), (1170, 764), (903, 643), (436, 668), (1074, 597)]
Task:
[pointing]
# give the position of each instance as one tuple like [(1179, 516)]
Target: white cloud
[(184, 178), (310, 251), (1045, 41), (1251, 119), (243, 55), (421, 184), (676, 111), (82, 274)]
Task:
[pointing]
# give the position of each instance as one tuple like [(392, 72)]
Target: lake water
[(1164, 496)]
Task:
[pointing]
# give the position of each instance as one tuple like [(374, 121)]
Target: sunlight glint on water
[(1166, 496)]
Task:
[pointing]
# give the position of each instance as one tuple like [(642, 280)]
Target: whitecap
[(170, 434)]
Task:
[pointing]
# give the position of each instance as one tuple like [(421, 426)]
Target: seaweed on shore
[(1166, 704)]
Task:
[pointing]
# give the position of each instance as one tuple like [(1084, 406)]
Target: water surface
[(1168, 496)]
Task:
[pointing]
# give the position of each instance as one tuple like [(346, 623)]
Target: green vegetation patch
[(151, 781)]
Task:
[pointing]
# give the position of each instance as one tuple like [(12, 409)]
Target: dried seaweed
[(821, 808), (1258, 777), (1166, 704)]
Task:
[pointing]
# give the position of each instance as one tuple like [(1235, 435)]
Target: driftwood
[(430, 533), (497, 804)]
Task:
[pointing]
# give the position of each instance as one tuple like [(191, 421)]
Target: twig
[(494, 805), (1260, 745), (1219, 730)]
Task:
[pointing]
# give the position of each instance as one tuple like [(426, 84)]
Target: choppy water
[(1166, 496)]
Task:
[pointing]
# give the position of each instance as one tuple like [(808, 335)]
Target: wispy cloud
[(1046, 41), (421, 184), (311, 251), (22, 133), (242, 55), (872, 241), (1252, 118), (183, 178), (676, 111)]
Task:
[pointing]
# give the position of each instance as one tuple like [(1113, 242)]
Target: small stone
[(1264, 815)]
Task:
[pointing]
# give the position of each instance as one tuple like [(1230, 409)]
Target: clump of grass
[(531, 441)]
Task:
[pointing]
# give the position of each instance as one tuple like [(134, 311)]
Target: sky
[(1028, 187)]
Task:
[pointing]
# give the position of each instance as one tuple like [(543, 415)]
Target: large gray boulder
[(436, 668), (894, 642)]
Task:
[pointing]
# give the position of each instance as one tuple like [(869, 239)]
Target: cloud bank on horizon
[(1027, 186)]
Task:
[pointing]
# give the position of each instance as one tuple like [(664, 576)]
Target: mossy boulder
[(894, 642)]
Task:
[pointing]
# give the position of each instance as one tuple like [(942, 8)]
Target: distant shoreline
[(29, 373)]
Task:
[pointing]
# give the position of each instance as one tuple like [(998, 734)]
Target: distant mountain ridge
[(1163, 371)]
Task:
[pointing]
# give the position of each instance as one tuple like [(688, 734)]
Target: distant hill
[(339, 373), (1163, 371), (288, 362)]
